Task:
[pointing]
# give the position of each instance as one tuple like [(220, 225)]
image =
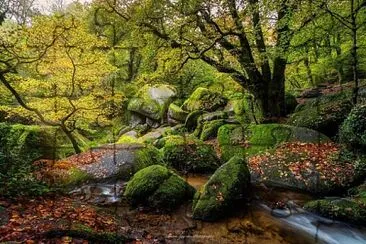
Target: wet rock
[(175, 113), (158, 187), (152, 101), (228, 184)]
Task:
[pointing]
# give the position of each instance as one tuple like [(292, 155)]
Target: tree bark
[(72, 139)]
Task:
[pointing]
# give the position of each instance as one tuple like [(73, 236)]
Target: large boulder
[(158, 187), (209, 123), (353, 129), (176, 114), (228, 184), (324, 114), (204, 99), (189, 155), (152, 101), (245, 141), (313, 167)]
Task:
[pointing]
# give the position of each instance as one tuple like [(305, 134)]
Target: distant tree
[(54, 69), (352, 15), (247, 39)]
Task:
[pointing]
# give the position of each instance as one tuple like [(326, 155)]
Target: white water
[(323, 230)]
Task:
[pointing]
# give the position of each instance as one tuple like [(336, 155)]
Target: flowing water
[(254, 222)]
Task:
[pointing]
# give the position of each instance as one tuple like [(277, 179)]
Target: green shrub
[(353, 129)]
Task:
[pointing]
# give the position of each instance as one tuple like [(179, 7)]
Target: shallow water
[(256, 222)]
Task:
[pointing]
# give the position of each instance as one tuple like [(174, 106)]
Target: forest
[(183, 121)]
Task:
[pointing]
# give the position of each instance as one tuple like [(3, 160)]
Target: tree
[(54, 69), (229, 35), (352, 19)]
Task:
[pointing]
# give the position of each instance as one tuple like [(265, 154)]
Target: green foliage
[(225, 186), (189, 155), (353, 129), (158, 187)]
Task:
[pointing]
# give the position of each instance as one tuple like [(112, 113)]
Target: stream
[(253, 222)]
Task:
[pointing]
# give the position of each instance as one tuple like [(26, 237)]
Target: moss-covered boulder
[(345, 209), (158, 187), (189, 155), (176, 114), (147, 156), (353, 129), (209, 129), (244, 108), (324, 114), (192, 120), (313, 167), (152, 101), (204, 99), (228, 184), (252, 139), (209, 123)]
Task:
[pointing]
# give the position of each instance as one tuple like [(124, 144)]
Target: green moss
[(228, 151), (171, 193), (176, 113), (192, 120), (257, 138), (147, 156), (145, 182), (210, 129), (126, 139), (158, 187), (353, 129), (341, 209), (204, 99), (324, 115), (187, 154), (75, 176), (216, 197)]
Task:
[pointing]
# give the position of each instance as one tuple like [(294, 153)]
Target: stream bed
[(255, 222)]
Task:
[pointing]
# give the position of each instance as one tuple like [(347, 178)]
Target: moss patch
[(258, 138), (147, 156), (204, 99), (228, 184), (158, 187)]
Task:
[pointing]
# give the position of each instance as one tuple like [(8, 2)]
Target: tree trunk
[(72, 139), (277, 89), (354, 53)]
